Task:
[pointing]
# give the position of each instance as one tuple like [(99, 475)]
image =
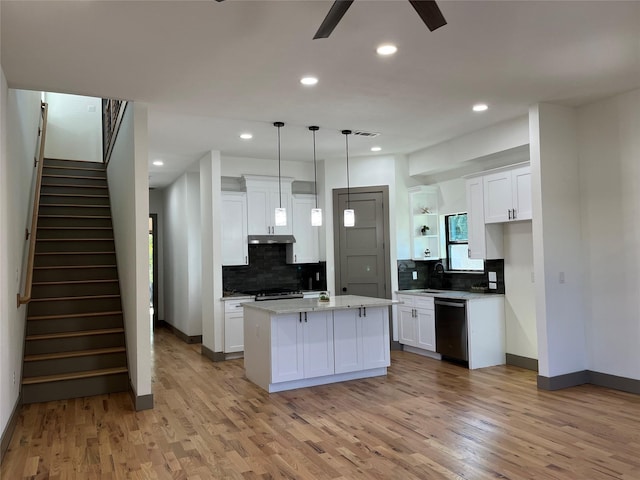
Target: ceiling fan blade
[(337, 11), (429, 13)]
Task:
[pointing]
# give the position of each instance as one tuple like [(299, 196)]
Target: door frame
[(337, 225)]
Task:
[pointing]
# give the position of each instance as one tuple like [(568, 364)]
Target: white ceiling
[(210, 70)]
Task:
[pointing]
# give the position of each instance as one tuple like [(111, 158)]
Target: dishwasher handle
[(461, 304)]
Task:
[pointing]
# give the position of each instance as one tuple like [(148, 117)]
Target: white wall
[(609, 146), (156, 205), (127, 174), (558, 251), (238, 166), (182, 252), (19, 119), (74, 129), (454, 153)]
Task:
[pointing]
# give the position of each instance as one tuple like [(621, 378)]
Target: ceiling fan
[(427, 9)]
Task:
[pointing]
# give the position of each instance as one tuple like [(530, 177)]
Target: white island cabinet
[(304, 342)]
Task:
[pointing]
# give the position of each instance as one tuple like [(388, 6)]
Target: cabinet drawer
[(231, 306), (407, 300), (425, 303)]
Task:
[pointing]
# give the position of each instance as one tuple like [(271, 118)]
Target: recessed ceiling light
[(158, 163), (480, 107), (308, 81), (376, 149), (246, 136), (386, 49)]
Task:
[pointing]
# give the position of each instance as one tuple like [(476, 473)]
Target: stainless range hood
[(270, 239)]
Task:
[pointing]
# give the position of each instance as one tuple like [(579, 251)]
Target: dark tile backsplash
[(268, 268), (431, 277)]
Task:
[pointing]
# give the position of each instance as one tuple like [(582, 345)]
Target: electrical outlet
[(14, 377), (493, 285), (415, 275), (317, 276)]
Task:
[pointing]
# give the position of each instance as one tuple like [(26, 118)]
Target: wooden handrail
[(42, 132), (112, 114)]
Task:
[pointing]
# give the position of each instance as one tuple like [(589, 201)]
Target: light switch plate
[(493, 277), (493, 285)]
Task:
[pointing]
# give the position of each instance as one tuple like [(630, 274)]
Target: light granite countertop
[(449, 294), (295, 305)]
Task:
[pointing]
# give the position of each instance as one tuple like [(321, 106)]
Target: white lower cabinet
[(301, 346), (417, 326), (234, 325)]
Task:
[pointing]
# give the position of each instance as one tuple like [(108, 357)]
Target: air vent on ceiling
[(365, 134)]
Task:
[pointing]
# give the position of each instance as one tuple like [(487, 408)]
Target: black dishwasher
[(451, 329)]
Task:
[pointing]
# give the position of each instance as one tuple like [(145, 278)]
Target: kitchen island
[(305, 342)]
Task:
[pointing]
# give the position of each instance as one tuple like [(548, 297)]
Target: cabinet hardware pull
[(509, 213), (295, 258), (359, 311), (305, 317), (300, 317), (246, 262), (364, 311), (514, 213)]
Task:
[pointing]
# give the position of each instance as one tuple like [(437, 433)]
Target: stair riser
[(53, 162), (74, 172), (79, 364), (73, 222), (97, 210), (66, 307), (44, 246), (73, 200), (84, 387), (87, 182), (73, 233), (75, 260), (88, 342), (74, 190), (75, 290), (60, 325), (63, 274)]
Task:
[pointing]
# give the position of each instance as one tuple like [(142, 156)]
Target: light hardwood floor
[(425, 420)]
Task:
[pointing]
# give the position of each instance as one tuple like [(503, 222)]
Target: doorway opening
[(153, 270)]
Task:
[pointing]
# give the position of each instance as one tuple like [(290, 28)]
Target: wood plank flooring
[(425, 420)]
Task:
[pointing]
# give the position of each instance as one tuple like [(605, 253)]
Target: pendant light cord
[(278, 125), (315, 168), (346, 141)]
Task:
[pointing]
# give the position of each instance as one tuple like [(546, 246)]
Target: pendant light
[(349, 214), (316, 213), (281, 213)]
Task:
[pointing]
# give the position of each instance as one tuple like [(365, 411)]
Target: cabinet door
[(475, 218), (287, 359), (521, 181), (235, 250), (407, 326), (426, 329), (347, 335), (258, 207), (233, 332), (375, 337), (318, 344), (306, 249), (498, 197)]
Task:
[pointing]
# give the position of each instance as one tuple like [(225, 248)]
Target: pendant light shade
[(280, 213), (316, 213), (349, 219)]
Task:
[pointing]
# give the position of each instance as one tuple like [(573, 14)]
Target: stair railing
[(31, 235), (112, 113)]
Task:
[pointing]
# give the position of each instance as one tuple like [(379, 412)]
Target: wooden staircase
[(75, 343)]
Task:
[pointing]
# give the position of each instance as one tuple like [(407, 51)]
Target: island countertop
[(294, 305)]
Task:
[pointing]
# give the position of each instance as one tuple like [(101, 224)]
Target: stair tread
[(74, 240), (74, 375), (43, 194), (75, 315), (74, 216), (74, 205), (71, 167), (52, 267), (74, 333), (76, 253), (72, 354), (68, 299), (59, 175), (72, 185), (75, 228), (77, 282)]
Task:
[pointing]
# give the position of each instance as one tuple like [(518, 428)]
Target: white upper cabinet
[(305, 249), (507, 195), (485, 241), (423, 218), (264, 195), (235, 249)]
